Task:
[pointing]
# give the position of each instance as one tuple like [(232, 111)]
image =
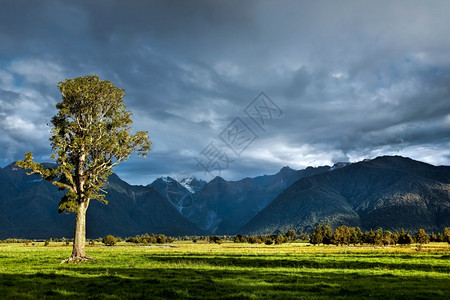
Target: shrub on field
[(405, 238), (46, 243), (446, 235), (291, 235), (389, 238), (303, 237), (253, 239), (422, 237), (214, 239), (10, 241), (161, 239), (279, 239), (437, 237), (109, 240), (268, 241), (239, 239)]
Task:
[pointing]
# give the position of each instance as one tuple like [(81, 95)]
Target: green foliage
[(291, 235), (405, 238), (303, 236), (253, 239), (161, 239), (342, 235), (46, 243), (150, 239), (109, 240), (369, 237), (268, 241), (422, 237), (279, 239), (14, 241), (356, 235), (90, 135), (322, 234), (214, 239), (439, 237), (239, 239), (446, 235)]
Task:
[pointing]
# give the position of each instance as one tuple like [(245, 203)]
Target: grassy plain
[(205, 271)]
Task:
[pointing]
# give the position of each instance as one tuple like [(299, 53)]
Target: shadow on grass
[(196, 283), (335, 262)]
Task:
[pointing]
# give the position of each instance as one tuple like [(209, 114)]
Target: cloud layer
[(354, 79)]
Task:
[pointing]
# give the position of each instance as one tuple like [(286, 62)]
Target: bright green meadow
[(243, 271)]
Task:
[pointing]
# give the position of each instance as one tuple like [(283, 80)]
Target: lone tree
[(91, 133)]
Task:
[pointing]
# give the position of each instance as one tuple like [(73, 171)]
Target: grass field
[(188, 270)]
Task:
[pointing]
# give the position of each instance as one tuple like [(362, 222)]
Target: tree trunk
[(79, 240)]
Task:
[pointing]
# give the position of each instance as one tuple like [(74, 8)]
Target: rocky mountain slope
[(222, 207), (391, 192)]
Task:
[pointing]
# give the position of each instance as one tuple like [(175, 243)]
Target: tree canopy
[(90, 134)]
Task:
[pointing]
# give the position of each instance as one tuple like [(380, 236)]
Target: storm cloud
[(353, 79)]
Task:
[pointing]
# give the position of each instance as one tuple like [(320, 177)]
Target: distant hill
[(29, 209), (391, 192), (222, 207)]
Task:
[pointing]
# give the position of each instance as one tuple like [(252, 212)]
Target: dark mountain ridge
[(29, 209), (391, 192), (222, 207)]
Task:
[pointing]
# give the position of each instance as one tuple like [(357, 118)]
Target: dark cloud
[(354, 79)]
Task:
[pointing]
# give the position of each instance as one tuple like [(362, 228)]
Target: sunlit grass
[(201, 270)]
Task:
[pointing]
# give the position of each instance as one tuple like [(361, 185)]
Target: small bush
[(214, 239), (109, 240), (46, 243), (280, 239), (405, 238), (161, 239)]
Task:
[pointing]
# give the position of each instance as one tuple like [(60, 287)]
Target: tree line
[(344, 235), (322, 234), (276, 239)]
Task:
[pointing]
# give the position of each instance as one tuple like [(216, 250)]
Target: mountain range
[(388, 192), (391, 192)]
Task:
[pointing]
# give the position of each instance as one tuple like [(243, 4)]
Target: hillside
[(391, 192), (29, 209), (222, 207)]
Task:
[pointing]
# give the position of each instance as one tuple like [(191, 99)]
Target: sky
[(236, 88)]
